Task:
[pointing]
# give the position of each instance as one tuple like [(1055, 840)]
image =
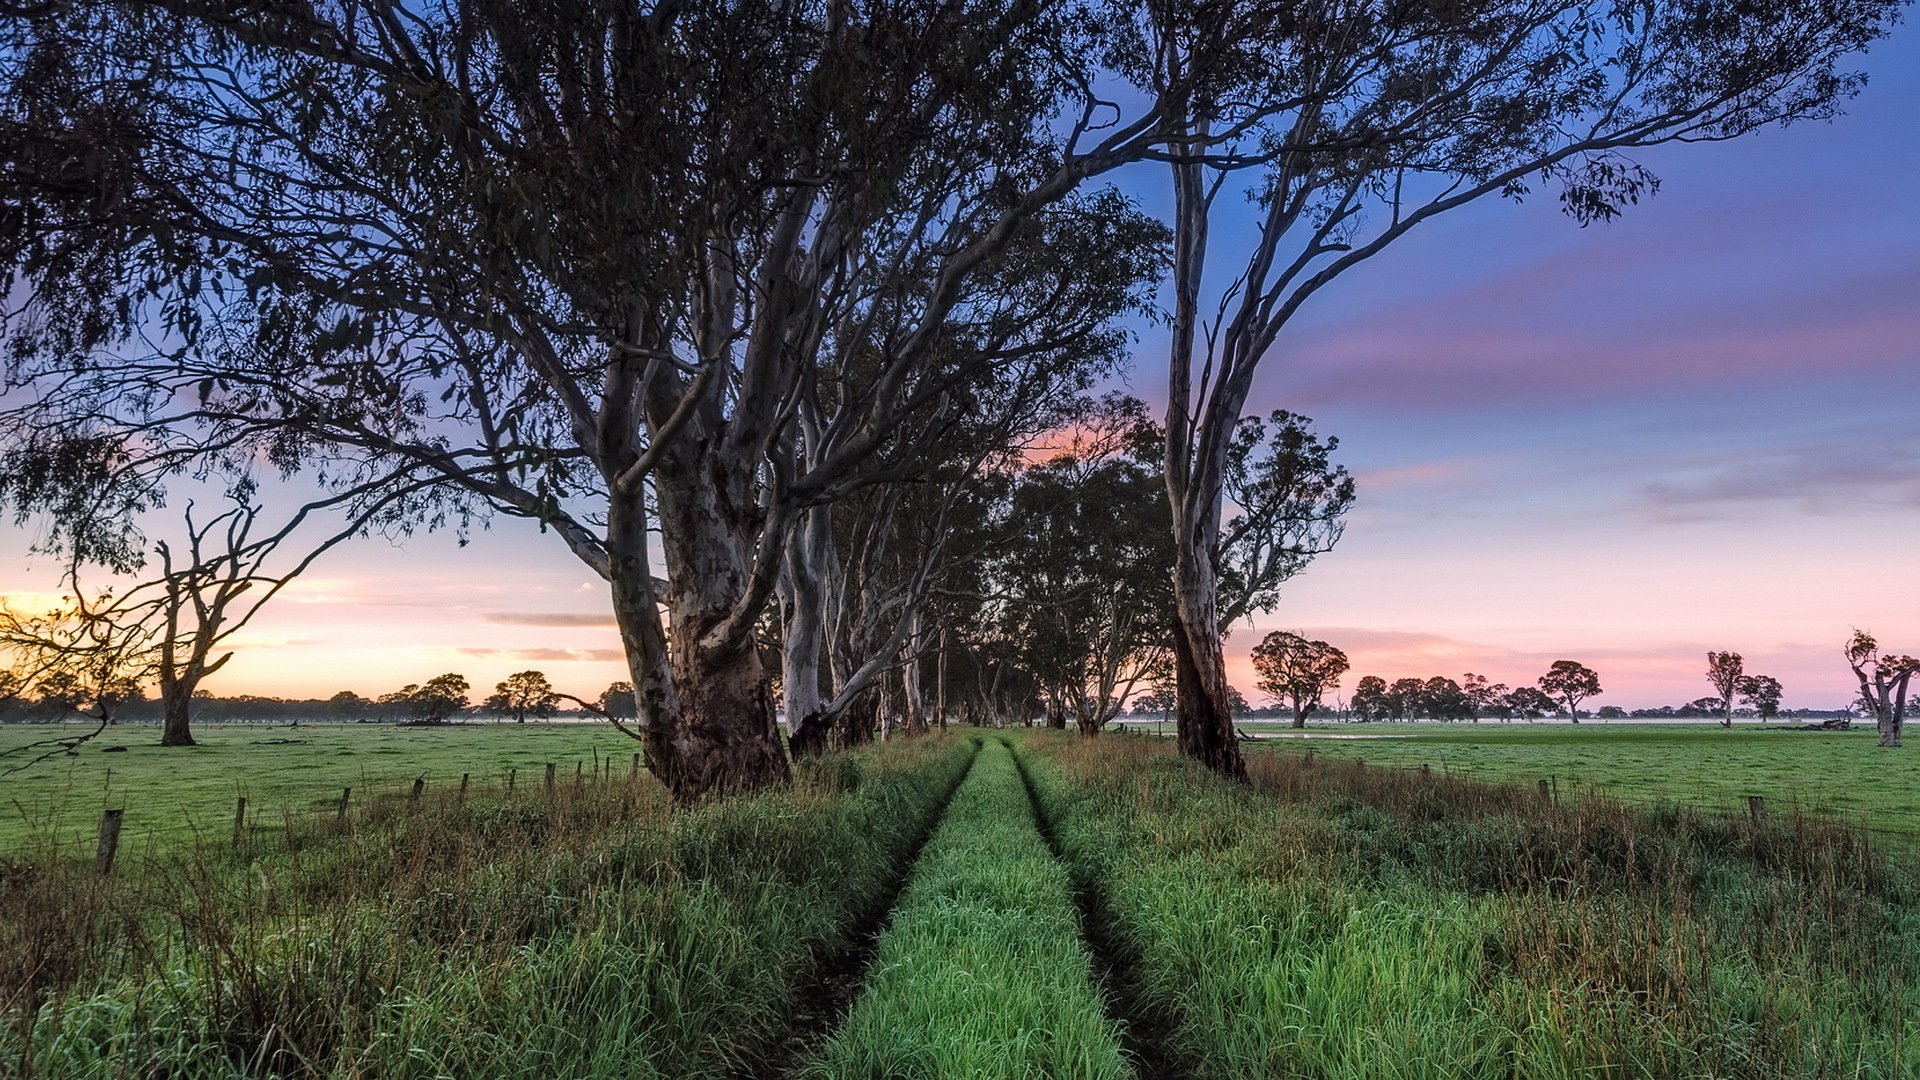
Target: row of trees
[(1293, 669), (1299, 671), (739, 303)]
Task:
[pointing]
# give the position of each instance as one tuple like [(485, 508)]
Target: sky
[(1694, 428)]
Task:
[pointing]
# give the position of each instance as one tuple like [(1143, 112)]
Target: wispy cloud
[(1855, 473), (562, 656), (550, 619)]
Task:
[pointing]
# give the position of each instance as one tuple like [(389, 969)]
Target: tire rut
[(1143, 1031), (824, 1004)]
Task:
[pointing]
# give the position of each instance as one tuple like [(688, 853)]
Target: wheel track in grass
[(1144, 1032), (825, 1003)]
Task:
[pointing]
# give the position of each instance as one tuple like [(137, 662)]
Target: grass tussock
[(1334, 920), (981, 973), (587, 931)]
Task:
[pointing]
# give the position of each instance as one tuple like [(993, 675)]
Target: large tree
[(1356, 123), (582, 261), (1883, 683), (1763, 693), (524, 693), (1571, 682), (1080, 578), (1726, 671), (1297, 670)]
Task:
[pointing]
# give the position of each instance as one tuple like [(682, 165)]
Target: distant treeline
[(343, 707)]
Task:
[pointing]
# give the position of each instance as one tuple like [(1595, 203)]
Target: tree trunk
[(704, 697), (1300, 711), (1888, 721), (860, 718), (177, 697), (912, 700), (1203, 713), (805, 621), (940, 682), (1056, 716)]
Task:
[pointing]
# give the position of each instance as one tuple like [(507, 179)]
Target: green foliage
[(1331, 921), (982, 972)]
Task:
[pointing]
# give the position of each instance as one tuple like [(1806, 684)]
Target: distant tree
[(522, 693), (1238, 702), (1724, 671), (1369, 701), (441, 698), (1571, 682), (1081, 568), (1530, 703), (1611, 712), (1443, 699), (1482, 696), (617, 700), (1763, 693), (347, 705), (1702, 706), (1405, 697), (1297, 671), (1883, 683)]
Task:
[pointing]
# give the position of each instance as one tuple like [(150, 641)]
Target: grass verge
[(594, 931), (981, 972), (1335, 921)]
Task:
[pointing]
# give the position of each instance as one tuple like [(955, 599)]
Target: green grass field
[(1840, 774), (169, 793), (963, 906)]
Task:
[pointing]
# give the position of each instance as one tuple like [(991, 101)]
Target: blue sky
[(1694, 428)]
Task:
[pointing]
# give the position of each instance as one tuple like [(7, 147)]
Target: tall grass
[(593, 931), (1328, 920), (982, 973)]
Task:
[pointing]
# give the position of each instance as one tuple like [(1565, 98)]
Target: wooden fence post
[(464, 777), (109, 840), (550, 768), (419, 785), (579, 774), (1544, 793), (1757, 809), (1426, 770), (240, 821), (340, 814), (511, 773), (635, 774)]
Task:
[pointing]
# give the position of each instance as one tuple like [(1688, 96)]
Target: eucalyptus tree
[(579, 260), (1081, 578), (1569, 681), (1884, 679), (1298, 670), (1357, 122), (1039, 330), (523, 693), (1726, 671), (1763, 693)]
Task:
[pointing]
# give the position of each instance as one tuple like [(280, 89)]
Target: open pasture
[(1827, 773), (171, 793), (1000, 904)]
